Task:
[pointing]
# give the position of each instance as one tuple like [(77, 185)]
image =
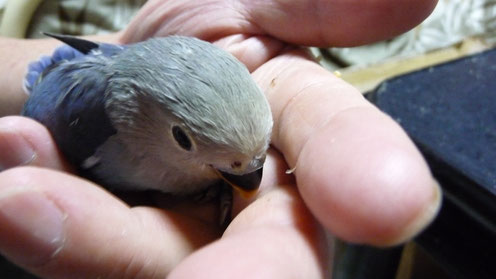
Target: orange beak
[(246, 184)]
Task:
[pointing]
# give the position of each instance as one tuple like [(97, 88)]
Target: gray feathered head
[(194, 98)]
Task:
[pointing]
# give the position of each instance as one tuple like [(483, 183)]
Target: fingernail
[(16, 150), (432, 210), (425, 217), (31, 227)]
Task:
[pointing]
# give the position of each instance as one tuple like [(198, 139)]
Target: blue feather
[(67, 95)]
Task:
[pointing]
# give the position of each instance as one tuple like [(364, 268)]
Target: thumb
[(60, 226), (28, 143)]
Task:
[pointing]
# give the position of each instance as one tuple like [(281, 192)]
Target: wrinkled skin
[(356, 174)]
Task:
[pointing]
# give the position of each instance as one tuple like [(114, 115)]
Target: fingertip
[(421, 221), (44, 215), (356, 169), (251, 50), (369, 184), (18, 150), (28, 143)]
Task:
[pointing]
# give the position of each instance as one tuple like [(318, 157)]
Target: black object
[(450, 113), (10, 271), (83, 46), (353, 261)]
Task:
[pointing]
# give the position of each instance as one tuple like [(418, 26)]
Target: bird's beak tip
[(246, 184)]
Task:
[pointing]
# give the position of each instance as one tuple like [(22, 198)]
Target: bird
[(175, 114)]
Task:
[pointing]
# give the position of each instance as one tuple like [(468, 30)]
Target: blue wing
[(76, 48), (68, 97)]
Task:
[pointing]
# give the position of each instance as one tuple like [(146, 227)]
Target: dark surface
[(451, 109), (362, 262), (10, 271), (450, 112)]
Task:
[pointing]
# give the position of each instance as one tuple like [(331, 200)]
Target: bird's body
[(169, 114)]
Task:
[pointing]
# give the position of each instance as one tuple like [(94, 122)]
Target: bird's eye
[(181, 138)]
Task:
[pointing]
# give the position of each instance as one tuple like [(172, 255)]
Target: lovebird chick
[(174, 114)]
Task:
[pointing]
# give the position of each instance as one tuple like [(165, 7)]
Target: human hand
[(356, 170)]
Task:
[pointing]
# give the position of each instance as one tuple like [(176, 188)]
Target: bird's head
[(200, 104)]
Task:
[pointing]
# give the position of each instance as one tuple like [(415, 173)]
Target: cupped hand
[(356, 172), (60, 226), (356, 169)]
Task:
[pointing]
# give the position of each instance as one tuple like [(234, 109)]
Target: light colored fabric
[(78, 17), (28, 18), (15, 17), (2, 8)]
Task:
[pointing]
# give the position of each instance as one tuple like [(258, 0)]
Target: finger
[(252, 51), (59, 226), (356, 169), (327, 23), (28, 143), (274, 237), (308, 22)]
